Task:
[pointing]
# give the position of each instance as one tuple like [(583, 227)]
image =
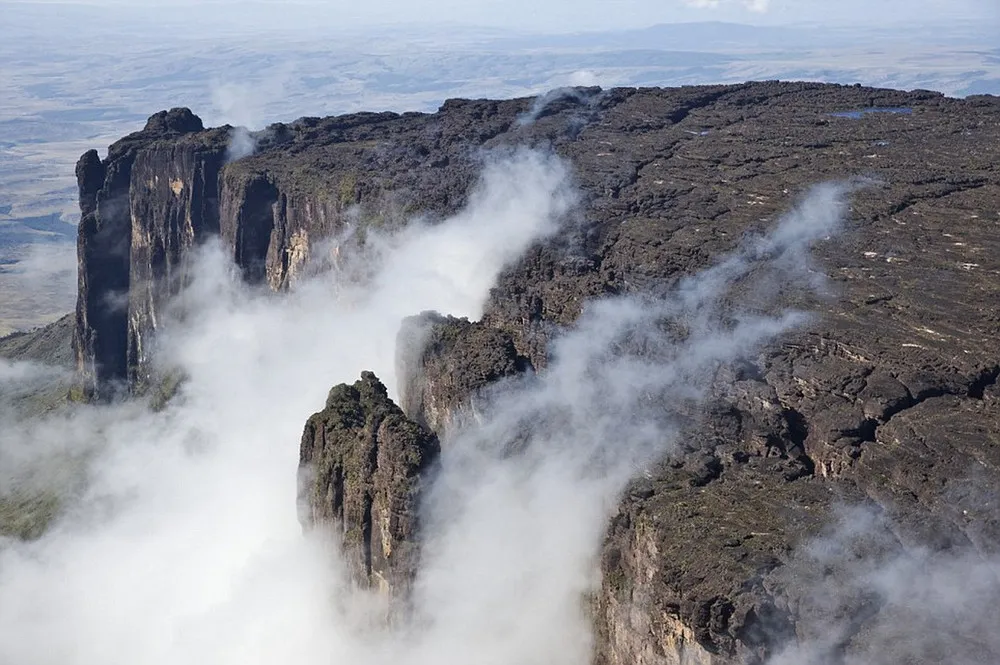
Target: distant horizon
[(553, 17), (79, 74)]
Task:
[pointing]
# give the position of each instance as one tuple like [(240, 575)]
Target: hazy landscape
[(662, 332)]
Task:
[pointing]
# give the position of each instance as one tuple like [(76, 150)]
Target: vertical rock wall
[(360, 467)]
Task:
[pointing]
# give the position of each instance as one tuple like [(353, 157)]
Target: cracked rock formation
[(887, 398)]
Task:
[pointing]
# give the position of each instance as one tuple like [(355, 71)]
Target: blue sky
[(646, 12)]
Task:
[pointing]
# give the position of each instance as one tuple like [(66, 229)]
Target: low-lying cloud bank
[(179, 539), (38, 286)]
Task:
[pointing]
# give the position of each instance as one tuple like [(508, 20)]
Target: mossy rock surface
[(361, 467)]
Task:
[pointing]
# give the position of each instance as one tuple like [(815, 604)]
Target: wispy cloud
[(760, 6), (178, 538)]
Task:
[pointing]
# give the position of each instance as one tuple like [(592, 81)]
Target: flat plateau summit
[(887, 397)]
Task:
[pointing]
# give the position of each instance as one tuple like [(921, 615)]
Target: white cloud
[(184, 545), (753, 5)]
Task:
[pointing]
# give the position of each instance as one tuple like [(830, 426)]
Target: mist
[(179, 539), (874, 600), (39, 287)]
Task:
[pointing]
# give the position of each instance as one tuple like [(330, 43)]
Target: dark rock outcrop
[(143, 209), (360, 467), (888, 397), (100, 339), (443, 365)]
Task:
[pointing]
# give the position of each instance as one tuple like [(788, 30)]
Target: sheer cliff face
[(174, 206), (103, 254), (887, 397), (144, 207), (270, 229)]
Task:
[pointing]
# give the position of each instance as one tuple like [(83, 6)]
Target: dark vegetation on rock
[(444, 364), (889, 397), (360, 466)]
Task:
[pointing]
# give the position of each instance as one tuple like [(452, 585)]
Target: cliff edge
[(888, 398)]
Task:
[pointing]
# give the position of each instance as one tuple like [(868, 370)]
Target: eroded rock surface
[(144, 207), (887, 398), (444, 365), (360, 466)]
